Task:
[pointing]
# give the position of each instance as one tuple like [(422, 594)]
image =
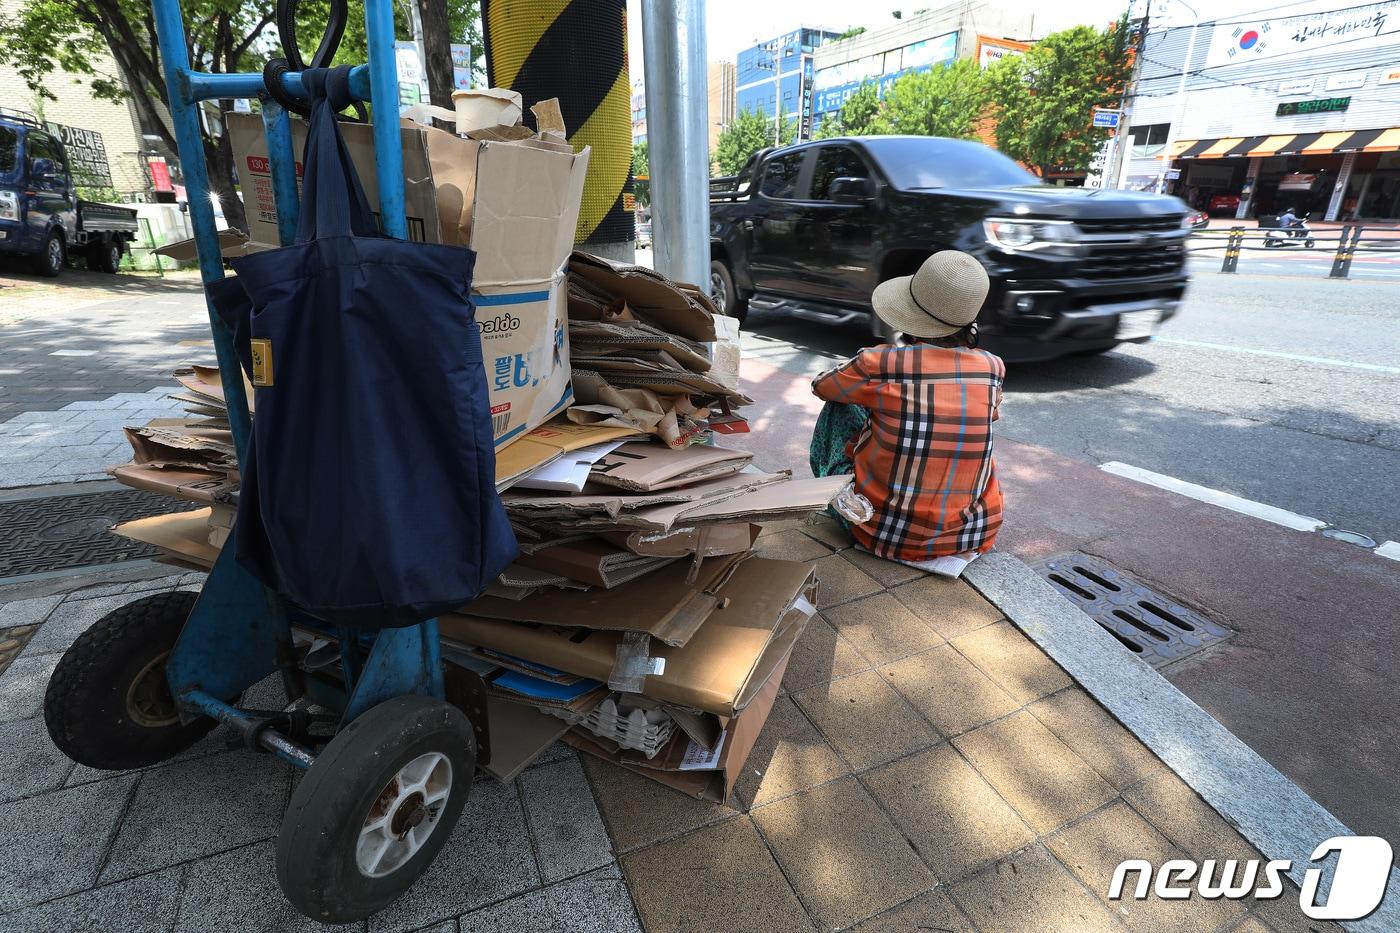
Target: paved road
[(1281, 390), (1315, 263)]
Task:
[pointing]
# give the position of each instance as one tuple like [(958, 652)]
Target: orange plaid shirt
[(924, 460)]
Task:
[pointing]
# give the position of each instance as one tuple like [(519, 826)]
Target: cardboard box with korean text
[(515, 203)]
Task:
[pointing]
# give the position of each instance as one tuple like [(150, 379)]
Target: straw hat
[(941, 298)]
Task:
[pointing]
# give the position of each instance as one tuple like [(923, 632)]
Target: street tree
[(44, 36), (750, 132), (641, 174), (947, 100), (1043, 101)]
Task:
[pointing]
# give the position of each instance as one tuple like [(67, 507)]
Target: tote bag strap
[(332, 201)]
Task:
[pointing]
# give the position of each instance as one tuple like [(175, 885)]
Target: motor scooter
[(1297, 235)]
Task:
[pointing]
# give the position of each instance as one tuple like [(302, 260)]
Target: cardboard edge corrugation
[(715, 784)]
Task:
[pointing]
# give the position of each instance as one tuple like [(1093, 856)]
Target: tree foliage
[(111, 45), (947, 100), (750, 132), (1043, 101), (641, 169)]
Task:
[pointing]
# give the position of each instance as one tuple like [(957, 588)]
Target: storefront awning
[(1382, 140)]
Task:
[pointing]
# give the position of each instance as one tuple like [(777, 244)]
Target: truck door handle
[(748, 223)]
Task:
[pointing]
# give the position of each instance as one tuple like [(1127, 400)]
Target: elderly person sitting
[(913, 421)]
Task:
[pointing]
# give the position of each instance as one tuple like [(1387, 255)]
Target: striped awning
[(1384, 140)]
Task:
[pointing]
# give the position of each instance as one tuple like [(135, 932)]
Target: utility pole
[(1113, 177), (1174, 130), (777, 98)]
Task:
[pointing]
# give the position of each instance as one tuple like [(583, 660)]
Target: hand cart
[(381, 797)]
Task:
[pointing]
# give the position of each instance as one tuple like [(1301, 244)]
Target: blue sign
[(834, 84), (1106, 119)]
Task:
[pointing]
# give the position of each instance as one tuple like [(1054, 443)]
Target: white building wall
[(77, 107)]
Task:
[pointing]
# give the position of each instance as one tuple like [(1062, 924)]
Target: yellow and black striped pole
[(575, 50)]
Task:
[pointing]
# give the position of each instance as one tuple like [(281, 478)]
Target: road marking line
[(1321, 360), (1389, 549), (1225, 500)]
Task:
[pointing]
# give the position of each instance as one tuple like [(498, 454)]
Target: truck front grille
[(1131, 248)]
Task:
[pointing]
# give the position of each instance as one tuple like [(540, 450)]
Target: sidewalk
[(926, 766)]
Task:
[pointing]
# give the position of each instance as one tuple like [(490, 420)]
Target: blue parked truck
[(41, 218)]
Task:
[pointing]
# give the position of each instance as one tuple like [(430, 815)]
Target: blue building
[(778, 73)]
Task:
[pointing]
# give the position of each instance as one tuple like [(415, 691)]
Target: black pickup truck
[(813, 228), (41, 218)]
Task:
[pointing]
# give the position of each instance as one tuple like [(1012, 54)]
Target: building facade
[(721, 96), (103, 137), (777, 75), (639, 112), (1248, 116), (962, 30)]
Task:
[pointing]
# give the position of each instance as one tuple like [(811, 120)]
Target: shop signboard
[(834, 84), (1294, 108), (87, 154), (1346, 82), (992, 50), (1358, 28), (1295, 87), (1389, 76)]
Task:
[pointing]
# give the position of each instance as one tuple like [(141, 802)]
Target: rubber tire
[(105, 257), (41, 264), (736, 305), (1309, 242), (85, 706), (316, 865)]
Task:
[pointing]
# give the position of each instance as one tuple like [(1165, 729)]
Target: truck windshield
[(9, 146), (925, 162)]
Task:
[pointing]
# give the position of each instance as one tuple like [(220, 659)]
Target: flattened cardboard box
[(663, 603), (718, 671), (685, 764), (548, 443), (193, 485), (648, 467)]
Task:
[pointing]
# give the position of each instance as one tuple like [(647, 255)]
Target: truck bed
[(95, 217)]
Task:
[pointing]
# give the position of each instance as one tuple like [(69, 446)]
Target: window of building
[(1149, 140), (835, 162), (780, 176)]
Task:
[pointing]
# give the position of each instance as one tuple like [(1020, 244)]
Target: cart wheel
[(108, 704), (374, 809)]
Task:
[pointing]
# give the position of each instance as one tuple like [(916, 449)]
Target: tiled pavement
[(90, 336), (189, 845), (78, 441), (925, 766)]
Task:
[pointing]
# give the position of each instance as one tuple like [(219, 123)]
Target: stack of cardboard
[(637, 623)]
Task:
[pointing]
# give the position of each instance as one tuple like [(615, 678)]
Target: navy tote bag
[(369, 492)]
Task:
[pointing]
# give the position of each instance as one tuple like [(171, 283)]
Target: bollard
[(1232, 250), (1341, 262)]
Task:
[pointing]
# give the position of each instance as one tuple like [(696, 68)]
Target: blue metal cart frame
[(239, 632)]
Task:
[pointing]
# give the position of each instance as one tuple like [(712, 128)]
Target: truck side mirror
[(41, 168), (847, 190)]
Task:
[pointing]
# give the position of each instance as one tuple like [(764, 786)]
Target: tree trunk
[(437, 51), (221, 173)]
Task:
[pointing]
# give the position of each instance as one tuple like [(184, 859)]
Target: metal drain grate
[(61, 532), (1149, 624)]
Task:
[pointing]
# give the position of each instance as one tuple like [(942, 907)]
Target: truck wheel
[(49, 262), (726, 297), (105, 256), (108, 704), (373, 810)]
